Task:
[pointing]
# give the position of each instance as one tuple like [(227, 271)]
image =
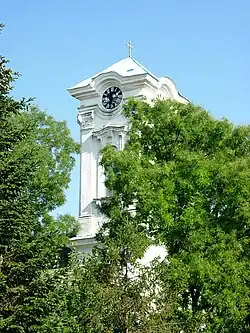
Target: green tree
[(36, 158), (187, 176), (113, 291)]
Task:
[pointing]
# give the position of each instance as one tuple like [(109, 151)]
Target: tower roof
[(125, 67)]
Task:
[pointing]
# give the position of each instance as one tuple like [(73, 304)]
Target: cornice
[(96, 86)]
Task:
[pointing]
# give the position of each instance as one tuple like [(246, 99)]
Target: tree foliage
[(112, 291), (36, 158), (187, 175)]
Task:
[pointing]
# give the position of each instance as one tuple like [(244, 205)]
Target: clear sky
[(204, 46)]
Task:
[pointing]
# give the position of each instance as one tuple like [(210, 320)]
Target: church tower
[(101, 122)]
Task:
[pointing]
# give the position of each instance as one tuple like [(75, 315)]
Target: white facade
[(99, 126)]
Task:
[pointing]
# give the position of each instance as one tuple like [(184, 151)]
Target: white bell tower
[(101, 122)]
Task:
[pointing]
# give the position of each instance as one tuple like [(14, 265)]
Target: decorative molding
[(111, 134), (85, 120)]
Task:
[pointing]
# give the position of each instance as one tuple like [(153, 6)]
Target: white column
[(100, 179), (87, 164)]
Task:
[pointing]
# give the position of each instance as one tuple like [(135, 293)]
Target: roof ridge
[(144, 68)]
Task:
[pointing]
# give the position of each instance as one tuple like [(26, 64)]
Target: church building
[(101, 122)]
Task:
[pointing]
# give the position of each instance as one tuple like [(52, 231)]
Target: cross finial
[(130, 48)]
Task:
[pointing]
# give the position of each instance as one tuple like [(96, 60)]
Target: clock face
[(111, 98)]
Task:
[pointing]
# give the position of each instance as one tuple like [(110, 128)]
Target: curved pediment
[(167, 87)]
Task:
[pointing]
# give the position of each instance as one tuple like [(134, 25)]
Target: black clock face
[(111, 98)]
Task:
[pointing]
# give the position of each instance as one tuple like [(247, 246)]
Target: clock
[(111, 98)]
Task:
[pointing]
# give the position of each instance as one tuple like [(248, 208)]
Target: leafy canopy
[(187, 175), (36, 158)]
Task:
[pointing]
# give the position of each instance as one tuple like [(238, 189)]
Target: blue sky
[(204, 46)]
